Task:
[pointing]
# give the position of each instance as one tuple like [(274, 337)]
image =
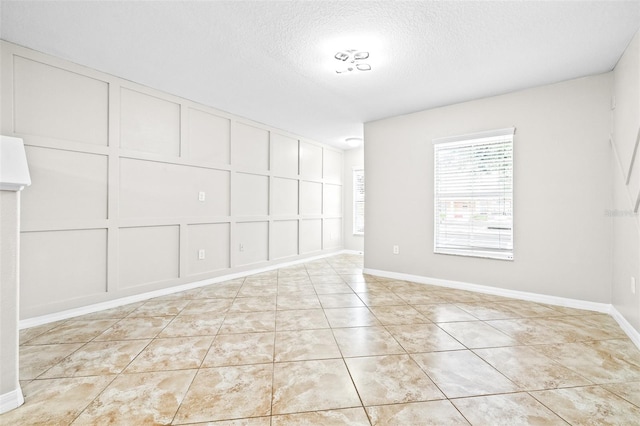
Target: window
[(358, 201), (474, 194)]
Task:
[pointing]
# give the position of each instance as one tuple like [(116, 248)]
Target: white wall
[(624, 217), (117, 169), (353, 158), (562, 178)]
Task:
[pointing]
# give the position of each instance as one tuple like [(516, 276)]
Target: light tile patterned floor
[(320, 343)]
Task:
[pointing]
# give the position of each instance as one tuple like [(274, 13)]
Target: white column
[(14, 176)]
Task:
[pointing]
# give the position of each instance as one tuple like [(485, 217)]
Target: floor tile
[(340, 301), (485, 312), (135, 328), (432, 413), (248, 322), (506, 410), (175, 353), (477, 334), (250, 421), (253, 304), (385, 298), (598, 362), (207, 306), (401, 314), (418, 297), (28, 334), (113, 313), (366, 341), (300, 301), (589, 405), (391, 379), (56, 401), (239, 349), (517, 364), (222, 290), (335, 288), (350, 317), (629, 391), (224, 393), (298, 345), (142, 398), (461, 373), (193, 325), (157, 308), (301, 319), (98, 358), (326, 278), (35, 360), (312, 385), (73, 331), (259, 289), (536, 331), (343, 417), (423, 338), (444, 312)]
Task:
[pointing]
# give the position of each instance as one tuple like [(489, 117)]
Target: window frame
[(469, 141)]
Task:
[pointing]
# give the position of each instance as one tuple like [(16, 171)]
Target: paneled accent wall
[(130, 185)]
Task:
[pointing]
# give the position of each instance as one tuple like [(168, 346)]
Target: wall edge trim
[(11, 400), (626, 326), (515, 294), (97, 307)]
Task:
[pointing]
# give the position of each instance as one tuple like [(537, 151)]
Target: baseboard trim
[(97, 307), (11, 400), (633, 334), (478, 288)]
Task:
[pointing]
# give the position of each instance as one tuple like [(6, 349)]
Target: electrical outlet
[(201, 196), (633, 285), (241, 247), (396, 249), (200, 254)]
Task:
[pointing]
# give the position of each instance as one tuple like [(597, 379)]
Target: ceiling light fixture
[(350, 60), (353, 142)]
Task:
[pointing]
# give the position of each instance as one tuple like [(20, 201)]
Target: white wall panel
[(117, 172), (148, 254), (332, 165), (284, 155), (284, 196), (310, 161), (250, 195), (149, 124), (66, 186), (252, 240), (213, 238), (332, 233), (310, 235), (310, 198), (209, 137), (153, 189), (284, 238), (250, 147), (60, 104), (57, 266), (332, 200)]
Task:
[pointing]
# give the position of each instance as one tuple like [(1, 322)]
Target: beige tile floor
[(321, 343)]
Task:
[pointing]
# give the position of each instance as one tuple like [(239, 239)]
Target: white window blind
[(474, 194), (358, 202)]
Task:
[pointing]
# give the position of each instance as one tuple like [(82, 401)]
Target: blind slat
[(474, 196)]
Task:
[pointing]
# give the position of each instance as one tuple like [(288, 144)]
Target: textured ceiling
[(272, 61)]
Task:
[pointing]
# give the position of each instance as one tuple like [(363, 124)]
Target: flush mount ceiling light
[(350, 60), (353, 142)]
